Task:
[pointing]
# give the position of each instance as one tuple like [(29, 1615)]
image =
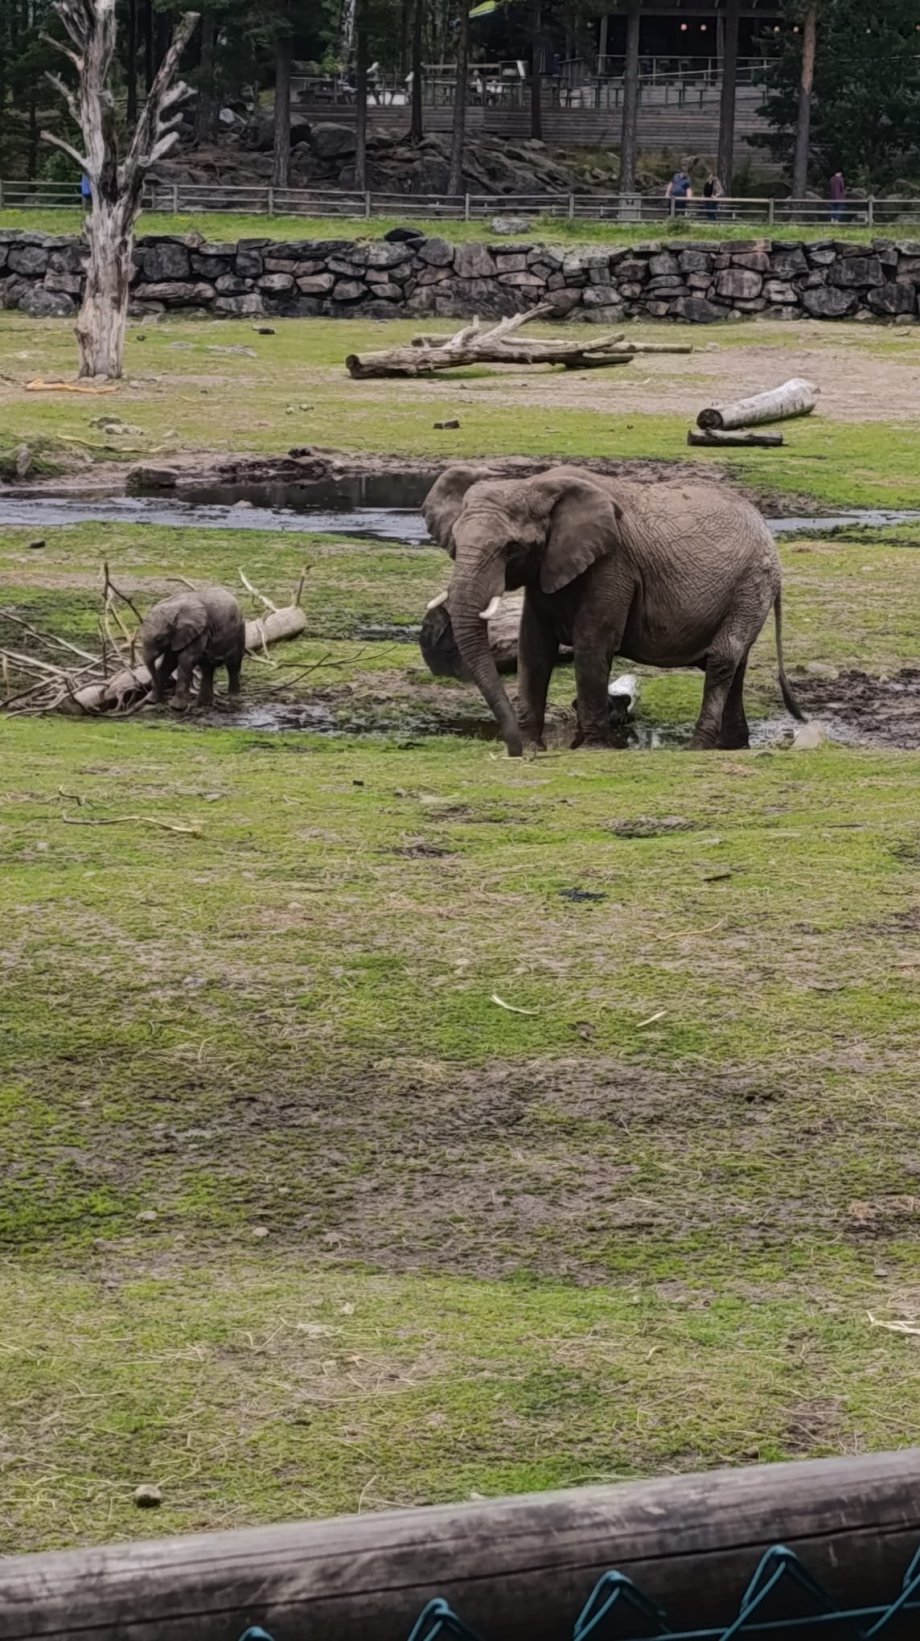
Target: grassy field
[(222, 226), (295, 1216)]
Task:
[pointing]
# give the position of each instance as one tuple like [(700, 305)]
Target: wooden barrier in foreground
[(517, 1569)]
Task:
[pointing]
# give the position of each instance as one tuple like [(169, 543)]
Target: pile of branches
[(112, 681)]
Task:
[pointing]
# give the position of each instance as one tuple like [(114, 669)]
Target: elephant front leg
[(537, 651), (592, 675), (206, 687), (184, 672)]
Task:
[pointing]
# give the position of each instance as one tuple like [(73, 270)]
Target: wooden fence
[(519, 1569)]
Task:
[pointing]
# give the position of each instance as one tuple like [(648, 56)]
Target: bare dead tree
[(117, 188)]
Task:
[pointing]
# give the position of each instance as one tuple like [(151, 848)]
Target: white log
[(796, 397), (713, 437), (134, 682)]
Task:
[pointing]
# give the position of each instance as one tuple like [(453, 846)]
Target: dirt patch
[(864, 710)]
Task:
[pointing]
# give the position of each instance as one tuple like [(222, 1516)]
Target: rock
[(41, 303), (147, 1497), (146, 1216), (166, 261), (739, 282), (608, 315), (27, 259), (275, 284), (510, 225), (177, 293), (789, 264), (260, 1232), (381, 255), (822, 669), (856, 272), (441, 426), (402, 236), (316, 284), (599, 296), (808, 737), (22, 461), (778, 290), (523, 281), (239, 307), (433, 276), (232, 285), (663, 266), (510, 261), (142, 479), (893, 297), (248, 264), (696, 282), (754, 261), (474, 262), (210, 267), (70, 283), (666, 287), (349, 290), (698, 311), (387, 291), (35, 545), (632, 268), (695, 261), (264, 330), (829, 303), (436, 252), (331, 142)]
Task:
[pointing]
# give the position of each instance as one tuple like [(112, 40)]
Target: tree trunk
[(806, 84), (204, 112), (117, 188), (149, 69), (458, 126), (795, 398), (100, 326), (630, 130), (131, 63), (361, 97), (536, 72), (725, 164), (415, 123), (281, 154)]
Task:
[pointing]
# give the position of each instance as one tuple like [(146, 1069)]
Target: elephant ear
[(582, 526), (188, 624), (444, 501)]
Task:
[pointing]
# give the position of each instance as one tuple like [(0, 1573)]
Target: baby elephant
[(203, 629)]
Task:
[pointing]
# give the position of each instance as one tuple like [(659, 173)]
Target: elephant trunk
[(468, 600)]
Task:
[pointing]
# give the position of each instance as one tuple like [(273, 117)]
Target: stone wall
[(426, 277)]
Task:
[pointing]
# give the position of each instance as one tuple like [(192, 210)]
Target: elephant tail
[(789, 700)]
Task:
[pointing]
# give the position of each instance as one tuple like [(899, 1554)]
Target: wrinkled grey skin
[(675, 574), (203, 629)]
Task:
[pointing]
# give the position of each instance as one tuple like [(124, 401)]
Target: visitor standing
[(838, 195), (712, 193), (680, 190)]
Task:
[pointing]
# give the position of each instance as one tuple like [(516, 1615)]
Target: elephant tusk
[(436, 603), (491, 610)]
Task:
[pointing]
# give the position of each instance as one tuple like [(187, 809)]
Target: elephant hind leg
[(735, 733), (722, 665)]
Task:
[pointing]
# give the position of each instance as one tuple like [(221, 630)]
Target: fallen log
[(472, 346), (516, 1569), (715, 438), (130, 682), (615, 344), (439, 646), (794, 398)]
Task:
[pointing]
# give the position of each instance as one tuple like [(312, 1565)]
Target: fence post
[(1, 193), (771, 211), (175, 199), (367, 202), (672, 212), (571, 207), (271, 201), (466, 207), (870, 204)]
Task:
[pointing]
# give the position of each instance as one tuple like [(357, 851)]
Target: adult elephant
[(675, 574)]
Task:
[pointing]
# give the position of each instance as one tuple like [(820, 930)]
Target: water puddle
[(374, 506)]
